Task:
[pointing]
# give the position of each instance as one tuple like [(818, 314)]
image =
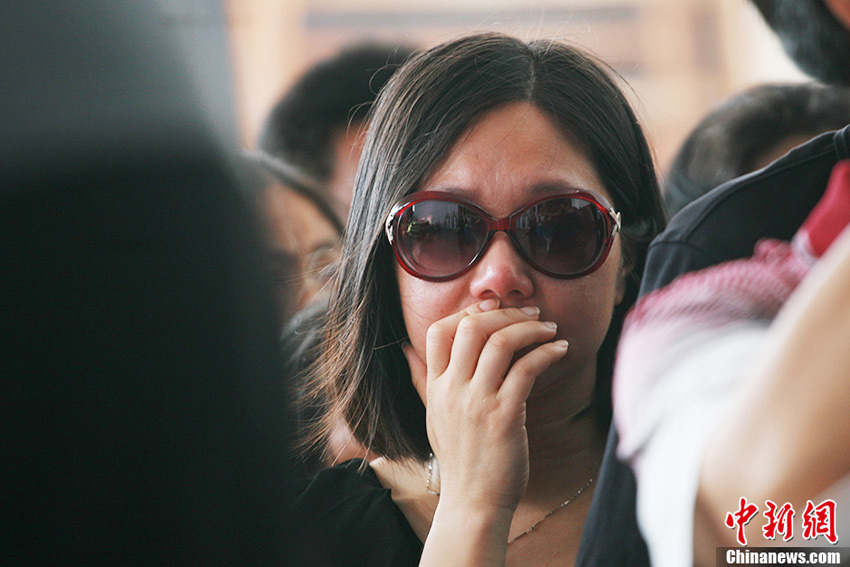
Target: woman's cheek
[(585, 310), (424, 303), (417, 305)]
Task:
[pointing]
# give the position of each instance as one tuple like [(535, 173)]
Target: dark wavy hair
[(736, 135), (811, 35), (426, 106)]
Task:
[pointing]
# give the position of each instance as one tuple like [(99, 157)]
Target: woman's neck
[(563, 422), (566, 440), (564, 451)]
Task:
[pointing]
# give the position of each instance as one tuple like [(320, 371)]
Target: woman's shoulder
[(355, 519)]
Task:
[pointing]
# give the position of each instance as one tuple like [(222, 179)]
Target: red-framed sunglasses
[(438, 236)]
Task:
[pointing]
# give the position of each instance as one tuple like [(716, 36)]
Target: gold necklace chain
[(432, 461), (560, 506)]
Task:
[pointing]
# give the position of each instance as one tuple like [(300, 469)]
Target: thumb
[(418, 370)]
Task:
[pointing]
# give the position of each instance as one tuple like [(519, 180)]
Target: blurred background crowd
[(680, 56)]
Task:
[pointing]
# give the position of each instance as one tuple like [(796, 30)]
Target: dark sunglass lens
[(439, 238), (564, 236)]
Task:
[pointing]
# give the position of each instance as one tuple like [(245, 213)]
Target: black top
[(350, 519), (723, 225), (611, 537), (726, 223)]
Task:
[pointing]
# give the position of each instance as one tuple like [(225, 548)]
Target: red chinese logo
[(741, 518), (817, 520), (779, 521), (820, 520)]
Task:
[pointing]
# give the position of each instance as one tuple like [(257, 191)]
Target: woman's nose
[(501, 273)]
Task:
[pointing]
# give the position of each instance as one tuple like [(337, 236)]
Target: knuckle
[(435, 332), (500, 340), (469, 326), (523, 367)]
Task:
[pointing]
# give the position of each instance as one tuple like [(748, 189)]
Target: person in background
[(816, 33), (302, 232), (726, 224), (310, 144), (747, 132), (308, 150), (296, 214), (317, 126), (476, 364)]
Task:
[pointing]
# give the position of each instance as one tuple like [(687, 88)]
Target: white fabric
[(664, 428)]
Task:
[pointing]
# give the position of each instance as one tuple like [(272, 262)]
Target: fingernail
[(488, 304), (561, 344), (551, 324), (530, 311)]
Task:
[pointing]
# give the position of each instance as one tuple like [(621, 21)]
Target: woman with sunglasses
[(502, 209)]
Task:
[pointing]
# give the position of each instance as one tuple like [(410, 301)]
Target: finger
[(418, 370), (441, 335), (520, 379), (501, 348), (474, 331)]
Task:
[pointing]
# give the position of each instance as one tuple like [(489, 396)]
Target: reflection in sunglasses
[(438, 235)]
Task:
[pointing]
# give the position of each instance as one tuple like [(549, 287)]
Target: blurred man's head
[(748, 131), (814, 33), (317, 125)]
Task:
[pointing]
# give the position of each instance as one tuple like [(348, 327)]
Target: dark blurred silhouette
[(142, 412)]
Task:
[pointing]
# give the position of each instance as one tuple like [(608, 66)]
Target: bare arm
[(783, 447), (462, 535)]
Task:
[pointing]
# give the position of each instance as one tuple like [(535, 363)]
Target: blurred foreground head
[(141, 405)]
